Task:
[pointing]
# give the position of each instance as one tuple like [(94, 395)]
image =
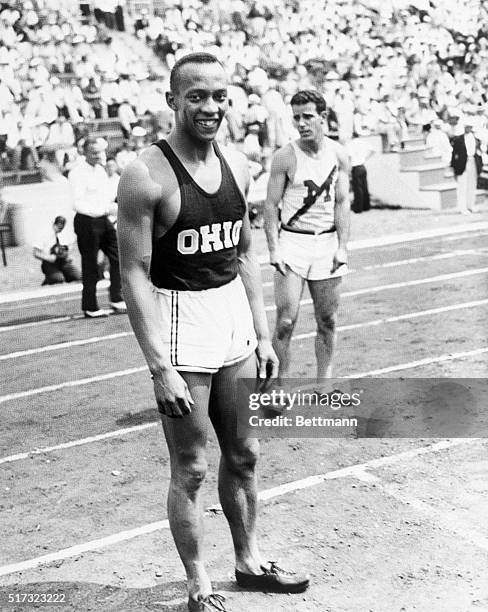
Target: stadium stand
[(387, 69)]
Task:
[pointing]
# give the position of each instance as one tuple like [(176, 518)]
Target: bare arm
[(44, 255), (78, 189), (250, 273), (276, 187), (342, 209), (137, 196)]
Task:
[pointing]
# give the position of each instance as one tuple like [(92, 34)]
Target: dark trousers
[(360, 190), (109, 20), (60, 272), (94, 234), (119, 18)]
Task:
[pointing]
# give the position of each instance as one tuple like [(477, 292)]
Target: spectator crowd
[(383, 68)]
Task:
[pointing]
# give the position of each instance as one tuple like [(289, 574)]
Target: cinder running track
[(383, 525)]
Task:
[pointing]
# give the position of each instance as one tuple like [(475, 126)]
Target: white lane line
[(355, 245), (439, 520), (79, 549), (403, 317), (399, 262), (419, 363), (63, 345), (8, 328), (290, 487), (119, 432), (42, 292), (85, 381), (418, 235), (376, 289), (70, 298), (413, 283), (385, 241), (420, 281), (80, 442), (412, 260), (70, 383), (411, 315), (359, 469)]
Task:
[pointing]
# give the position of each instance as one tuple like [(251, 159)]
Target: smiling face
[(200, 100), (308, 121)]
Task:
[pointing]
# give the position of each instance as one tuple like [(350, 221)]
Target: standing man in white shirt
[(93, 203), (467, 163), (438, 140)]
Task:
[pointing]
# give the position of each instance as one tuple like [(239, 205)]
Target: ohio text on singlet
[(199, 251)]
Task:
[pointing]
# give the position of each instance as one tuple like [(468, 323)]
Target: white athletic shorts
[(310, 255), (204, 331)]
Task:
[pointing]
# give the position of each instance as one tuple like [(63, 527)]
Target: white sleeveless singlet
[(313, 188)]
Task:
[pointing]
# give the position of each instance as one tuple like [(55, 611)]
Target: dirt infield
[(382, 525)]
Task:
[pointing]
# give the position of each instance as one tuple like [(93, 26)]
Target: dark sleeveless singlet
[(199, 251)]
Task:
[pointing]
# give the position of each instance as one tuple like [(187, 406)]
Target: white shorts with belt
[(310, 255), (204, 331)]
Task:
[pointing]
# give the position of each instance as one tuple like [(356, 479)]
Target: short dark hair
[(191, 58), (309, 95)]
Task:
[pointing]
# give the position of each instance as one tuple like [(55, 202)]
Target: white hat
[(101, 142), (138, 131), (254, 99)]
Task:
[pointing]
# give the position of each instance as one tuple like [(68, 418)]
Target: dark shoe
[(210, 603), (274, 579)]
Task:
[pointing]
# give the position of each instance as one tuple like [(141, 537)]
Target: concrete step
[(433, 158), (413, 157), (481, 203), (444, 195), (430, 174), (414, 142)]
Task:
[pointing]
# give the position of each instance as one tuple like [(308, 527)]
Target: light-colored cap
[(138, 131)]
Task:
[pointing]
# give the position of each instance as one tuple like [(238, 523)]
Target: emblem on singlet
[(209, 238), (315, 191)]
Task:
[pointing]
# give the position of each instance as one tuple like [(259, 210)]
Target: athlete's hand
[(172, 394), (267, 362), (340, 259), (276, 260)]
